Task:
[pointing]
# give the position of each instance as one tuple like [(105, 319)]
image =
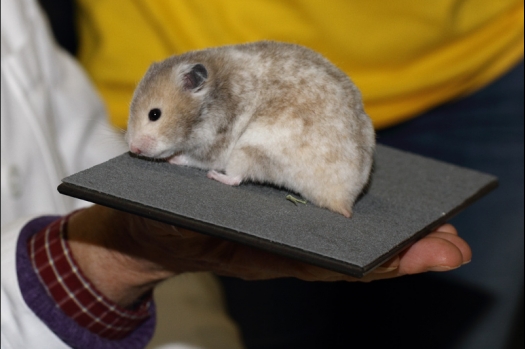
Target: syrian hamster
[(265, 112)]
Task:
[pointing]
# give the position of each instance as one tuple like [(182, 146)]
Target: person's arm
[(121, 257)]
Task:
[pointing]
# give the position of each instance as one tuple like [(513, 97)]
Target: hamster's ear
[(195, 78)]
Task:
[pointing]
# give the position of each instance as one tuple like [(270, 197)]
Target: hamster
[(266, 111)]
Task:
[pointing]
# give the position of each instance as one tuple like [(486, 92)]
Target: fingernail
[(467, 262), (381, 270), (441, 268)]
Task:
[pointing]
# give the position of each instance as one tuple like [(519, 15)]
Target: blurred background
[(443, 80)]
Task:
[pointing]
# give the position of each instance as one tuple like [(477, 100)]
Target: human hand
[(126, 255)]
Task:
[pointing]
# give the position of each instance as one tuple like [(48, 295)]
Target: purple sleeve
[(45, 308)]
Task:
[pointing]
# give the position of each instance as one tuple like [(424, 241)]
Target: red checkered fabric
[(73, 293)]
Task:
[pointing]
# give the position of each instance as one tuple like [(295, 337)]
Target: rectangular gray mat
[(409, 195)]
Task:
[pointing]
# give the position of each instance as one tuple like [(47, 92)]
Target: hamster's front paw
[(221, 177), (181, 160)]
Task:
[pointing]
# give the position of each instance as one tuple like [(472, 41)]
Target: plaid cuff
[(73, 293)]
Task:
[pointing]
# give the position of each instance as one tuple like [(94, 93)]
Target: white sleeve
[(53, 122), (21, 328)]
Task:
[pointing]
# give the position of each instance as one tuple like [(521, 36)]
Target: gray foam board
[(408, 196)]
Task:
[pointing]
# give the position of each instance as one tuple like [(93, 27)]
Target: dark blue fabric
[(483, 132), (472, 307)]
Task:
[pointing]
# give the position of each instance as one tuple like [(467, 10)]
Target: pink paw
[(178, 160), (220, 177)]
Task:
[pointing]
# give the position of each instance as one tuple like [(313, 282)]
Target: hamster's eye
[(154, 114)]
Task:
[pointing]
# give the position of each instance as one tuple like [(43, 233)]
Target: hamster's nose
[(135, 150)]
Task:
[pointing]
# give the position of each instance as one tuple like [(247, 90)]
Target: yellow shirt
[(406, 56)]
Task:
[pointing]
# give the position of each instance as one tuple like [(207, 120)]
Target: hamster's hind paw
[(345, 211), (221, 177)]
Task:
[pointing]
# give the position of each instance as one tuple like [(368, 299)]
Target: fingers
[(464, 248), (389, 266), (186, 250), (431, 253), (253, 264), (447, 228), (232, 259), (441, 250)]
